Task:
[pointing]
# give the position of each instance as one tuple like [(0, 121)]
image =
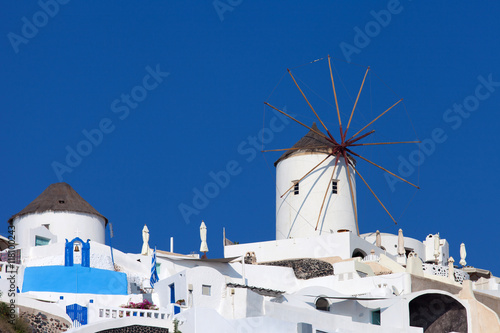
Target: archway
[(437, 313), (358, 253), (322, 304), (68, 252)]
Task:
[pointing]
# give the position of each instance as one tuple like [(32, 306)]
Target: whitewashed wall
[(297, 215), (62, 225), (338, 244)]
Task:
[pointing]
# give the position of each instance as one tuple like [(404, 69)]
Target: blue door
[(172, 293), (177, 308), (77, 312)]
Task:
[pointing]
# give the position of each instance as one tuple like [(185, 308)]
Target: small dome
[(59, 197), (311, 142)]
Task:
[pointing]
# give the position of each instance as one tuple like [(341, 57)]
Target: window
[(295, 187), (40, 241), (334, 186), (322, 304), (206, 290), (158, 268), (376, 317)]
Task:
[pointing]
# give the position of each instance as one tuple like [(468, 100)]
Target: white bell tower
[(297, 209)]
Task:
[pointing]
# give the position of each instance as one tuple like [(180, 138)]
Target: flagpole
[(154, 274), (110, 245)]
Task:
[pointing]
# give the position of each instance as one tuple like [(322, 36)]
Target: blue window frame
[(40, 241)]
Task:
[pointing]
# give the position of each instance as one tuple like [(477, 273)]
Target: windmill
[(315, 182)]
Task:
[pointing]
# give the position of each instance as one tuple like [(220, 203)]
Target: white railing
[(371, 258), (439, 270), (115, 313)]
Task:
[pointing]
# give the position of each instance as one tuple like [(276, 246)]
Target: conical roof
[(311, 142), (59, 197)]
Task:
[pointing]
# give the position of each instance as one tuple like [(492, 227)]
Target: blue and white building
[(326, 279)]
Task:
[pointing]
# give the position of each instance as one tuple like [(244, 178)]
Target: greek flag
[(154, 275)]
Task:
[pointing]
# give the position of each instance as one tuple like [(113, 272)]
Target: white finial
[(203, 236), (437, 244), (463, 254), (451, 269), (378, 239), (401, 243)]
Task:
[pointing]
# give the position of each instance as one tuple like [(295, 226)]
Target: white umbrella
[(378, 239), (401, 243), (145, 238), (463, 254), (203, 236), (436, 246)]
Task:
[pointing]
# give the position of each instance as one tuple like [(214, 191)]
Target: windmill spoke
[(361, 130), (298, 181), (361, 137), (355, 103), (335, 94), (266, 151), (378, 166), (380, 202), (352, 192), (384, 143), (303, 95), (317, 132), (327, 189)]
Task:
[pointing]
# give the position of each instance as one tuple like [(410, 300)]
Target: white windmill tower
[(298, 202)]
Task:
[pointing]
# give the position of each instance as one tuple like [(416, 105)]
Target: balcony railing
[(115, 313), (109, 313), (439, 270)]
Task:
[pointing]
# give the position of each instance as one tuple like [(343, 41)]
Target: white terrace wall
[(338, 244), (327, 321)]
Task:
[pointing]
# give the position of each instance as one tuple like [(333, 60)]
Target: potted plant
[(144, 305)]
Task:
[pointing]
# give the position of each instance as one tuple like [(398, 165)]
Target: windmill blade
[(303, 95), (380, 202), (355, 103), (374, 120), (317, 165), (384, 143), (348, 142), (350, 188), (317, 132), (378, 166), (327, 188), (266, 151), (335, 94)]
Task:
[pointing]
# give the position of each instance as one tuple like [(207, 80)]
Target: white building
[(309, 279), (58, 213)]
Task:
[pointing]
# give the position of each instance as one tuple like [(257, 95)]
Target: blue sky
[(161, 97)]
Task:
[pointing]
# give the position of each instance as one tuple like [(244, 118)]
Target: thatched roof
[(311, 142), (59, 197)]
